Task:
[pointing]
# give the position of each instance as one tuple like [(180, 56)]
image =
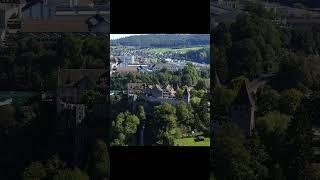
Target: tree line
[(163, 40), (188, 76)]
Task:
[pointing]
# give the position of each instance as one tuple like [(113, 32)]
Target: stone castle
[(157, 93), (73, 115)]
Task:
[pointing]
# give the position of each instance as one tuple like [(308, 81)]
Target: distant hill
[(164, 40)]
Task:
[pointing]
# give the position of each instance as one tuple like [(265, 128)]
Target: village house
[(157, 93), (166, 92), (135, 88)]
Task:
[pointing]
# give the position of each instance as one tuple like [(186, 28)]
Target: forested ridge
[(163, 40)]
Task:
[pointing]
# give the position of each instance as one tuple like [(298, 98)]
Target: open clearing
[(191, 142)]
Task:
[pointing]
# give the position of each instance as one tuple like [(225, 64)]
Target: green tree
[(190, 75), (164, 123), (141, 114), (98, 166), (131, 123), (203, 112), (245, 59), (184, 115), (237, 82), (222, 99), (117, 130), (89, 97), (289, 101), (69, 48), (260, 157), (272, 129), (164, 77), (299, 148), (54, 165), (201, 93), (120, 121), (231, 159), (71, 174), (125, 128), (203, 84), (295, 71), (180, 91), (267, 100), (195, 102), (35, 171)]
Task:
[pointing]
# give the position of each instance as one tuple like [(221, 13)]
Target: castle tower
[(242, 110), (186, 95)]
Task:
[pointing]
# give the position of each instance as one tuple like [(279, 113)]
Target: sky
[(117, 36)]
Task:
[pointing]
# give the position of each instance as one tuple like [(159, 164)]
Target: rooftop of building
[(244, 97), (127, 69), (161, 87)]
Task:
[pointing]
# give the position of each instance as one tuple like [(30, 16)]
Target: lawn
[(171, 50), (191, 142)]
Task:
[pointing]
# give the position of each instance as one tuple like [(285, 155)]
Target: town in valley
[(160, 90)]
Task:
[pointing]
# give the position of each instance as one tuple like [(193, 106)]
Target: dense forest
[(283, 144), (163, 40), (199, 56)]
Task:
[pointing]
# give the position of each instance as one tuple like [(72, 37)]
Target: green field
[(191, 142), (172, 50)]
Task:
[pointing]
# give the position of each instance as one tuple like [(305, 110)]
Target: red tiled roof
[(127, 69)]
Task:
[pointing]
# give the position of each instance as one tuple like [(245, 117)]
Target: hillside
[(164, 40)]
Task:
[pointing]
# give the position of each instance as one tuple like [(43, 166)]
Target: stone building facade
[(157, 93)]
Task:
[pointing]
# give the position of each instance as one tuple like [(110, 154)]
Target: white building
[(126, 60)]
